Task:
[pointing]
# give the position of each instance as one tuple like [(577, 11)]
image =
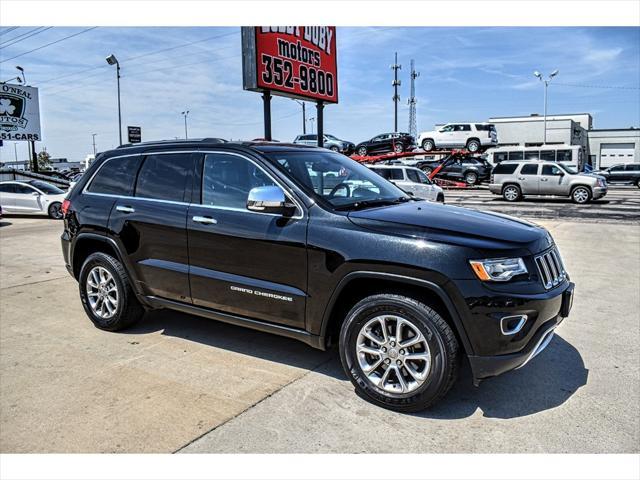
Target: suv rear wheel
[(398, 352), (473, 145), (471, 178), (106, 293), (427, 145), (55, 211), (398, 148), (581, 195), (511, 193), (362, 151), (334, 148)]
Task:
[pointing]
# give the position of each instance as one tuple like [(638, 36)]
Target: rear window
[(505, 169), (116, 176), (531, 169), (164, 177)]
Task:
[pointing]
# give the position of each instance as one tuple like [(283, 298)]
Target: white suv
[(411, 180), (473, 136)]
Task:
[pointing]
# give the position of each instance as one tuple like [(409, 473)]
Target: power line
[(10, 29), (617, 87), (24, 36), (49, 44)]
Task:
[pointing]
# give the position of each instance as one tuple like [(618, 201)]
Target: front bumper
[(599, 192), (485, 366)]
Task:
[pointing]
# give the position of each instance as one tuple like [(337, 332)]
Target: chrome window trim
[(287, 190)]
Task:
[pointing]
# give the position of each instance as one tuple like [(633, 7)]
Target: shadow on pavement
[(4, 224), (546, 382)]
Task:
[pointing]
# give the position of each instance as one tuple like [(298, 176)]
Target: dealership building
[(602, 147)]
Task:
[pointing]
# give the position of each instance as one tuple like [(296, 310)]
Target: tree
[(44, 160)]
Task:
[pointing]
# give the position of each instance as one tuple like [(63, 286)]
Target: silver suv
[(472, 136), (411, 180), (513, 180), (330, 142)]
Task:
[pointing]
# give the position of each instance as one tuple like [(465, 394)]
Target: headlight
[(500, 270)]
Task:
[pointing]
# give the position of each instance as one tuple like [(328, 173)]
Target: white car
[(472, 136), (410, 179), (33, 196)]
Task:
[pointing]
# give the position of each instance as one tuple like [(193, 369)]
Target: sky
[(466, 74)]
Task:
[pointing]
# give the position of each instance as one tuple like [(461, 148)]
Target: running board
[(314, 341)]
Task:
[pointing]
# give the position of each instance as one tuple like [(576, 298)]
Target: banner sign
[(19, 113), (134, 134), (296, 62)]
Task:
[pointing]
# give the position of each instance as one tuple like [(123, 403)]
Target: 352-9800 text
[(279, 72)]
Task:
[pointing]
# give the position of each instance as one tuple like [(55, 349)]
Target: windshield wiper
[(380, 202)]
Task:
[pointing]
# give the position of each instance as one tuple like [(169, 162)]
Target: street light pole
[(311, 121), (112, 60), (185, 113), (304, 115), (94, 143), (546, 86)]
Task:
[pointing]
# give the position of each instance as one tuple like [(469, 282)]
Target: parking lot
[(177, 383)]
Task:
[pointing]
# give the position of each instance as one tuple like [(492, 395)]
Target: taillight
[(66, 204)]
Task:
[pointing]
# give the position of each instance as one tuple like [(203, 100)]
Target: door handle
[(520, 178), (124, 209), (205, 220), (544, 179)]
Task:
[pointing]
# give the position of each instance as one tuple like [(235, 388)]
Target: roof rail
[(164, 142)]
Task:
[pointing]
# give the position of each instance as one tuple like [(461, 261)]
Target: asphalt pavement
[(177, 383)]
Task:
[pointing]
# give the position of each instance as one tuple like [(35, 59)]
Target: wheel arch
[(357, 285), (88, 243)]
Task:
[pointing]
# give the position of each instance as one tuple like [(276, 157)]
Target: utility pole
[(311, 121), (94, 144), (413, 122), (15, 151), (185, 113), (396, 98), (304, 115)]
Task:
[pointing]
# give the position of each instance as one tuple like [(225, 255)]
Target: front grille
[(551, 268)]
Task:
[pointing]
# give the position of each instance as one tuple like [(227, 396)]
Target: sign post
[(134, 134), (294, 62)]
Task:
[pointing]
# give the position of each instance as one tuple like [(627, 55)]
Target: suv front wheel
[(581, 195), (106, 293), (399, 353), (428, 145)]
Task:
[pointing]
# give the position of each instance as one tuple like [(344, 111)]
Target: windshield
[(46, 187), (343, 183), (330, 137)]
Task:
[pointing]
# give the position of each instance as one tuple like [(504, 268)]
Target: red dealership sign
[(298, 62)]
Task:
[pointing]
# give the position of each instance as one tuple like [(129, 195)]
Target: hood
[(457, 224)]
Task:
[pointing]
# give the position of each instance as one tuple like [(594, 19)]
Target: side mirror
[(270, 199)]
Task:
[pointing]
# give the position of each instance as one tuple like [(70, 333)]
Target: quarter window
[(164, 177), (227, 180), (116, 176), (530, 169)]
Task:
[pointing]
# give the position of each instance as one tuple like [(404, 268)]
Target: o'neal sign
[(297, 62), (19, 113)]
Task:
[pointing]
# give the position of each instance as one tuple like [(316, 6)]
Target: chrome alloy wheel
[(393, 354), (581, 195), (102, 292), (511, 193)]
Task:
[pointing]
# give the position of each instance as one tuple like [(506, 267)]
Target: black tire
[(398, 148), (428, 145), (438, 335), (638, 183), (471, 178), (362, 151), (440, 198), (128, 310), (581, 195), (473, 145), (334, 149), (509, 196), (55, 211)]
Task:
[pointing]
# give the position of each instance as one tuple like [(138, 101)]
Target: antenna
[(413, 122)]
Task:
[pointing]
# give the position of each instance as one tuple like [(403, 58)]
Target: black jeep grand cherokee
[(309, 244)]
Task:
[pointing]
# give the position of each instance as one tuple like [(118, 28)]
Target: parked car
[(385, 143), (238, 232), (330, 142), (468, 169), (624, 174), (473, 136), (514, 180), (34, 196), (411, 180)]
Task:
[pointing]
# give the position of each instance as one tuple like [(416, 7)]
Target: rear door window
[(116, 176), (413, 176), (165, 176), (530, 169), (395, 174), (551, 170)]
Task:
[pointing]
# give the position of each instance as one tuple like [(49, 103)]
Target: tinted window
[(227, 180), (505, 169), (564, 156), (500, 157), (617, 168), (551, 170), (463, 128), (485, 128), (413, 176), (164, 177), (549, 155), (46, 187), (516, 156), (633, 167), (530, 169), (532, 155), (24, 189), (116, 176), (7, 188)]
